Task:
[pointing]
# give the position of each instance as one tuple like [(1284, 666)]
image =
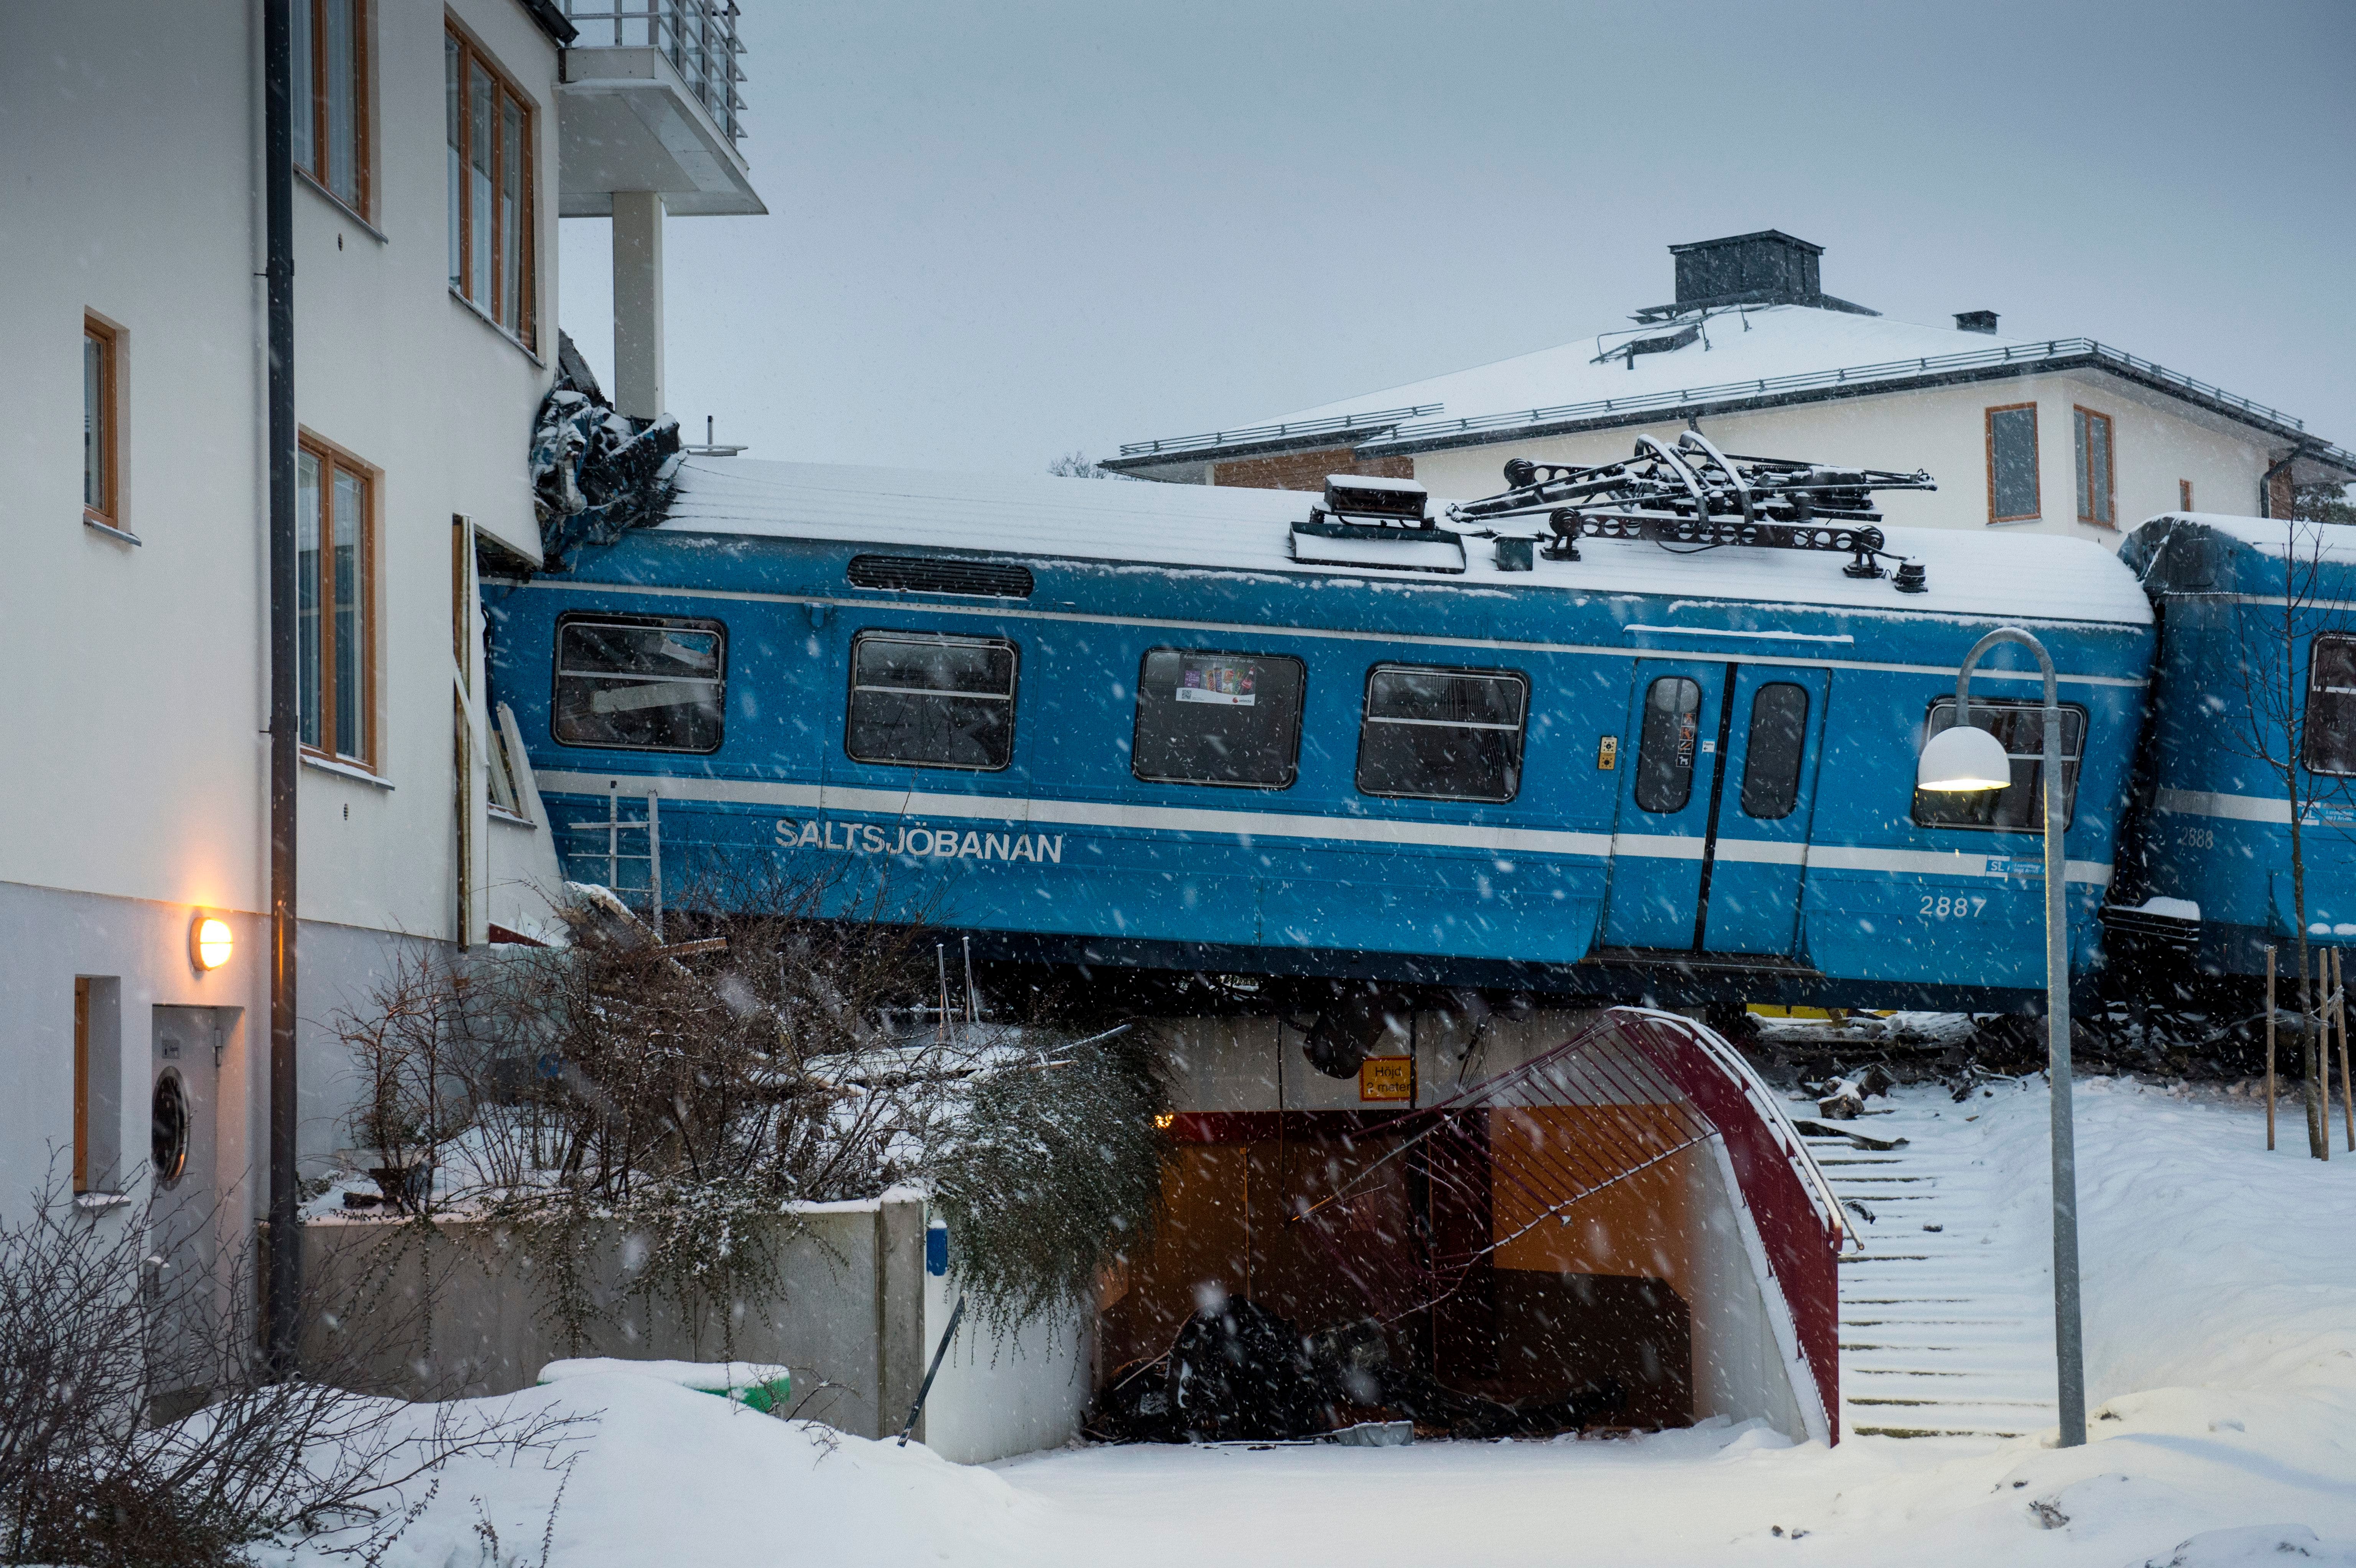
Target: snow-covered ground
[(2221, 1285)]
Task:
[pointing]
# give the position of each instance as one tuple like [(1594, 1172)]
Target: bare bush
[(791, 1042), (95, 1344)]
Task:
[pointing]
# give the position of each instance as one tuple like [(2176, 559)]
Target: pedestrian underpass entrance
[(1574, 1221)]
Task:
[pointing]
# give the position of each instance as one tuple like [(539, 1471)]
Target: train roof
[(1220, 528), (2207, 552)]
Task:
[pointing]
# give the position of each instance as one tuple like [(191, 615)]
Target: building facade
[(431, 144), (2061, 437)]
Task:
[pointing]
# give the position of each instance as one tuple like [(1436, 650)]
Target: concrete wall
[(2158, 441), (1002, 1395), (858, 1323)]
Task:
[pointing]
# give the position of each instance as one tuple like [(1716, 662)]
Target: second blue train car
[(2254, 719), (1112, 723)]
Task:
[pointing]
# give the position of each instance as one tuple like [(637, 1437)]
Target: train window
[(1666, 746), (640, 684), (1218, 718), (2020, 806), (1442, 734), (1770, 761), (2330, 705), (931, 700)]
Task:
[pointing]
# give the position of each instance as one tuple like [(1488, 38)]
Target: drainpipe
[(285, 1262), (2266, 484)]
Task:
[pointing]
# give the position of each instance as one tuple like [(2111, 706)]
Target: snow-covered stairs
[(1947, 1319)]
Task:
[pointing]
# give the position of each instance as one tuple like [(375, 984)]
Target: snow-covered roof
[(1743, 343), (1203, 527), (1728, 358)]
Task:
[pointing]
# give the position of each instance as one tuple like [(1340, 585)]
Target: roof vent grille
[(937, 575)]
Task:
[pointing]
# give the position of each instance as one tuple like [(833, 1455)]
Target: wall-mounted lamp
[(211, 941)]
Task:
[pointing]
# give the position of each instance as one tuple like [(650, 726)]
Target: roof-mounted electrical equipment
[(1692, 497), (1369, 521)]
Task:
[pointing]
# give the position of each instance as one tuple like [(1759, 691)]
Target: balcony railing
[(698, 37)]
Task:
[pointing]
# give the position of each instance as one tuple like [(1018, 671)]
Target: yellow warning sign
[(1386, 1079)]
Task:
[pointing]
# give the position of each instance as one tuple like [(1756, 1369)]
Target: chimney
[(1769, 267), (1976, 321)]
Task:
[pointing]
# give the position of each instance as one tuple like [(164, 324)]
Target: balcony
[(649, 102)]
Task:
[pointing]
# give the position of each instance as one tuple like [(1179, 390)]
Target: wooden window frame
[(525, 328), (363, 200), (109, 402), (2036, 467), (81, 1084), (2110, 463), (331, 458)]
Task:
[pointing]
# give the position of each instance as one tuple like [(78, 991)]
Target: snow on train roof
[(1203, 527), (2267, 536)]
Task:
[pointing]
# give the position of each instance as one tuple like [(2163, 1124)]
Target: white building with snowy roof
[(430, 151), (2060, 435)]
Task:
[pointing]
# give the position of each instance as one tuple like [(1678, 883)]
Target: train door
[(1715, 800), (1765, 792), (1666, 782), (182, 1263)]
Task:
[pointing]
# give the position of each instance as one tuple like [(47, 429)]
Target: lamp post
[(1966, 759)]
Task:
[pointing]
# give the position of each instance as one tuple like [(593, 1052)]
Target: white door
[(184, 1249)]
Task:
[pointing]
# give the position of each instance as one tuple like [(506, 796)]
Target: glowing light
[(1963, 761), (211, 941), (1164, 1120)]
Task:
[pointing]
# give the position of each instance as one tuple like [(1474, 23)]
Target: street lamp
[(1968, 759)]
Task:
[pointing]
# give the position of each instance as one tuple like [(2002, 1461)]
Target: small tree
[(1076, 466), (2280, 729)]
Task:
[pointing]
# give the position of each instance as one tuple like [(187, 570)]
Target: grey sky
[(999, 232)]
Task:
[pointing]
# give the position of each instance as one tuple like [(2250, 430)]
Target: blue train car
[(2254, 708), (1138, 725)]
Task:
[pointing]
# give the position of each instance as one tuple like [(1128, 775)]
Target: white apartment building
[(2059, 436), (436, 143)]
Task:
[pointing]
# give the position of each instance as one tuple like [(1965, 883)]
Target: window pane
[(1441, 734), (306, 595), (1218, 718), (94, 477), (343, 107), (510, 189), (454, 118), (933, 702), (1771, 762), (2078, 430), (2098, 464), (479, 152), (2020, 806), (304, 107), (2012, 462), (2332, 705), (641, 685), (1666, 748), (351, 614)]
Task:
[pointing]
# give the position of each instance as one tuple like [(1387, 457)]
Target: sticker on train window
[(640, 683), (1218, 718)]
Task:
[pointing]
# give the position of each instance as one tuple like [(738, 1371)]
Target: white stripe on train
[(1248, 825)]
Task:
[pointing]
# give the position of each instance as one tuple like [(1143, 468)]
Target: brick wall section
[(1306, 470)]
